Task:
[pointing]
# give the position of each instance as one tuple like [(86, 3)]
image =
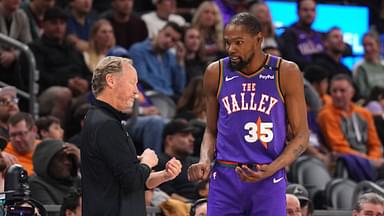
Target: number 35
[(264, 133)]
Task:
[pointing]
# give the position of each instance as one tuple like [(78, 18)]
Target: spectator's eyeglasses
[(19, 133), (7, 102)]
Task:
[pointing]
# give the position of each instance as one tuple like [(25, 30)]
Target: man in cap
[(302, 194), (178, 143), (63, 72)]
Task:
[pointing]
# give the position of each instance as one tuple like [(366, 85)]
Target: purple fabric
[(251, 124), (229, 196)]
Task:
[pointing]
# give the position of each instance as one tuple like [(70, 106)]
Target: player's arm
[(292, 87), (201, 170)]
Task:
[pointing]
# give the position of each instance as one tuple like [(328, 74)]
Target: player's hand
[(149, 158), (248, 175), (199, 171), (172, 169)]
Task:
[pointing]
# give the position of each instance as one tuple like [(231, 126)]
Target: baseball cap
[(298, 190), (55, 13), (177, 126), (8, 90)]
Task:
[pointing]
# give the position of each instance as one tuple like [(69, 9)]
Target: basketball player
[(252, 99)]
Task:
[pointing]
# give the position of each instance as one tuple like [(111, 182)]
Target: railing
[(32, 71), (365, 186)]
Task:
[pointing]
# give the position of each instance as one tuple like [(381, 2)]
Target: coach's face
[(125, 87), (240, 45)]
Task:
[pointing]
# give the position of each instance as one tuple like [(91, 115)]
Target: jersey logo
[(266, 77), (277, 180), (230, 78)]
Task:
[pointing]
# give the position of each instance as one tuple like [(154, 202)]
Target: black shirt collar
[(110, 110)]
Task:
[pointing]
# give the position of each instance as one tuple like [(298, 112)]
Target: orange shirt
[(326, 99), (24, 160), (329, 120)]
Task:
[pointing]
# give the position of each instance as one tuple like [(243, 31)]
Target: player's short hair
[(247, 20)]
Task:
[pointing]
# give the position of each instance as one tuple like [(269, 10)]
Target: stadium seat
[(311, 173), (339, 194)]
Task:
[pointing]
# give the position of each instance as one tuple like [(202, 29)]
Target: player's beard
[(239, 66)]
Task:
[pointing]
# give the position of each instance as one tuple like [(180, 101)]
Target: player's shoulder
[(289, 67)]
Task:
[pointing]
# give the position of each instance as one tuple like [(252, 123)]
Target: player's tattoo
[(299, 150)]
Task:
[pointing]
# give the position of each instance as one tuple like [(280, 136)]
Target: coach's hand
[(149, 158), (199, 171), (248, 175)]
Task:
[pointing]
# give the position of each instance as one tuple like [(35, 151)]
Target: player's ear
[(259, 37)]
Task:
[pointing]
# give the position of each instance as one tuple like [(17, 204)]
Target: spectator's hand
[(7, 58), (180, 52), (78, 85), (172, 169), (248, 175), (199, 171), (378, 163), (151, 110), (71, 149), (149, 158), (8, 158)]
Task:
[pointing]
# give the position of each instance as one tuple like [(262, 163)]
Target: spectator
[(71, 205), (59, 63), (348, 128), (165, 12), (63, 72), (56, 165), (48, 127), (192, 107), (209, 22), (300, 41), (79, 23), (14, 24), (375, 104), (302, 194), (35, 11), (318, 77), (157, 67), (332, 55), (293, 205), (100, 42), (124, 22), (178, 143), (8, 107), (370, 72), (199, 208), (369, 204), (263, 15), (195, 61), (22, 140)]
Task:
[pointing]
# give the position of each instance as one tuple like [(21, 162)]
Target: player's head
[(242, 37)]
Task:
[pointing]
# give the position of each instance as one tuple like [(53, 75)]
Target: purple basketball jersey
[(252, 119)]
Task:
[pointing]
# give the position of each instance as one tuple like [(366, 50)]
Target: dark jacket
[(113, 180), (44, 188), (180, 185), (58, 62)]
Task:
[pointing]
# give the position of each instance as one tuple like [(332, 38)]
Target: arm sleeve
[(178, 78), (374, 144), (138, 61), (360, 79), (118, 152)]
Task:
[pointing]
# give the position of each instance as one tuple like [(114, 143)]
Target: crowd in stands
[(170, 43)]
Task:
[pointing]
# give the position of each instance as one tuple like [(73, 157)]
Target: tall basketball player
[(252, 100)]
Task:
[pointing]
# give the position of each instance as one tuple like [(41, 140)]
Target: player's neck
[(257, 62)]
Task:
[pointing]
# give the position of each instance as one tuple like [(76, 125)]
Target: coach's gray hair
[(372, 198), (107, 65)]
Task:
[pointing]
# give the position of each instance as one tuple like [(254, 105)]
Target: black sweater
[(113, 180)]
